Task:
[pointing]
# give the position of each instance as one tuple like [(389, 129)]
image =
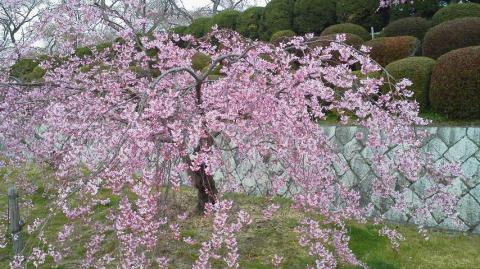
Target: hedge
[(281, 36), (200, 27), (421, 8), (419, 71), (250, 21), (412, 26), (455, 85), (325, 40), (312, 16), (450, 35), (83, 52), (456, 11), (348, 28), (389, 49), (277, 16), (226, 19), (180, 30), (26, 70), (364, 12)]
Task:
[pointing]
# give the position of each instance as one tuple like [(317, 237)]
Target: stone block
[(451, 135), (471, 171), (352, 148), (436, 147), (359, 166), (474, 134), (469, 210), (345, 133), (329, 131), (461, 151)]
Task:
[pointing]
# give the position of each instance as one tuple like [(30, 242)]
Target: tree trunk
[(205, 185)]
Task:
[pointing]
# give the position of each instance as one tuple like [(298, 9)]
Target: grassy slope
[(436, 118), (262, 239)]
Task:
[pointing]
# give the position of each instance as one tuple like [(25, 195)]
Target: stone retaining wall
[(460, 144)]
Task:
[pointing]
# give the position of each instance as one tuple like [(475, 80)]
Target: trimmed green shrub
[(249, 22), (83, 52), (324, 40), (200, 61), (200, 27), (389, 49), (281, 36), (277, 16), (22, 67), (181, 30), (450, 35), (347, 28), (422, 8), (364, 13), (455, 85), (412, 26), (27, 70), (312, 16), (456, 11), (102, 46), (419, 71), (226, 19)]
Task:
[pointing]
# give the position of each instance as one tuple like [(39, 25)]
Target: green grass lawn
[(262, 239), (436, 118)]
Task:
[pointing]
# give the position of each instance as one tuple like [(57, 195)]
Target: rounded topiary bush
[(455, 85), (277, 16), (226, 19), (27, 70), (389, 49), (347, 28), (312, 16), (180, 30), (451, 35), (281, 36), (364, 13), (422, 8), (249, 22), (83, 52), (419, 71), (412, 26), (456, 11), (200, 27), (325, 40)]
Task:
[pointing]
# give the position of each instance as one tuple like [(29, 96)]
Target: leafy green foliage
[(249, 22), (412, 26), (348, 28), (27, 70), (312, 16), (226, 19), (455, 85), (200, 61), (281, 36), (419, 71), (389, 49), (102, 46), (200, 27), (180, 30), (351, 40), (363, 12), (450, 35), (455, 11), (422, 8), (277, 16), (83, 52)]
